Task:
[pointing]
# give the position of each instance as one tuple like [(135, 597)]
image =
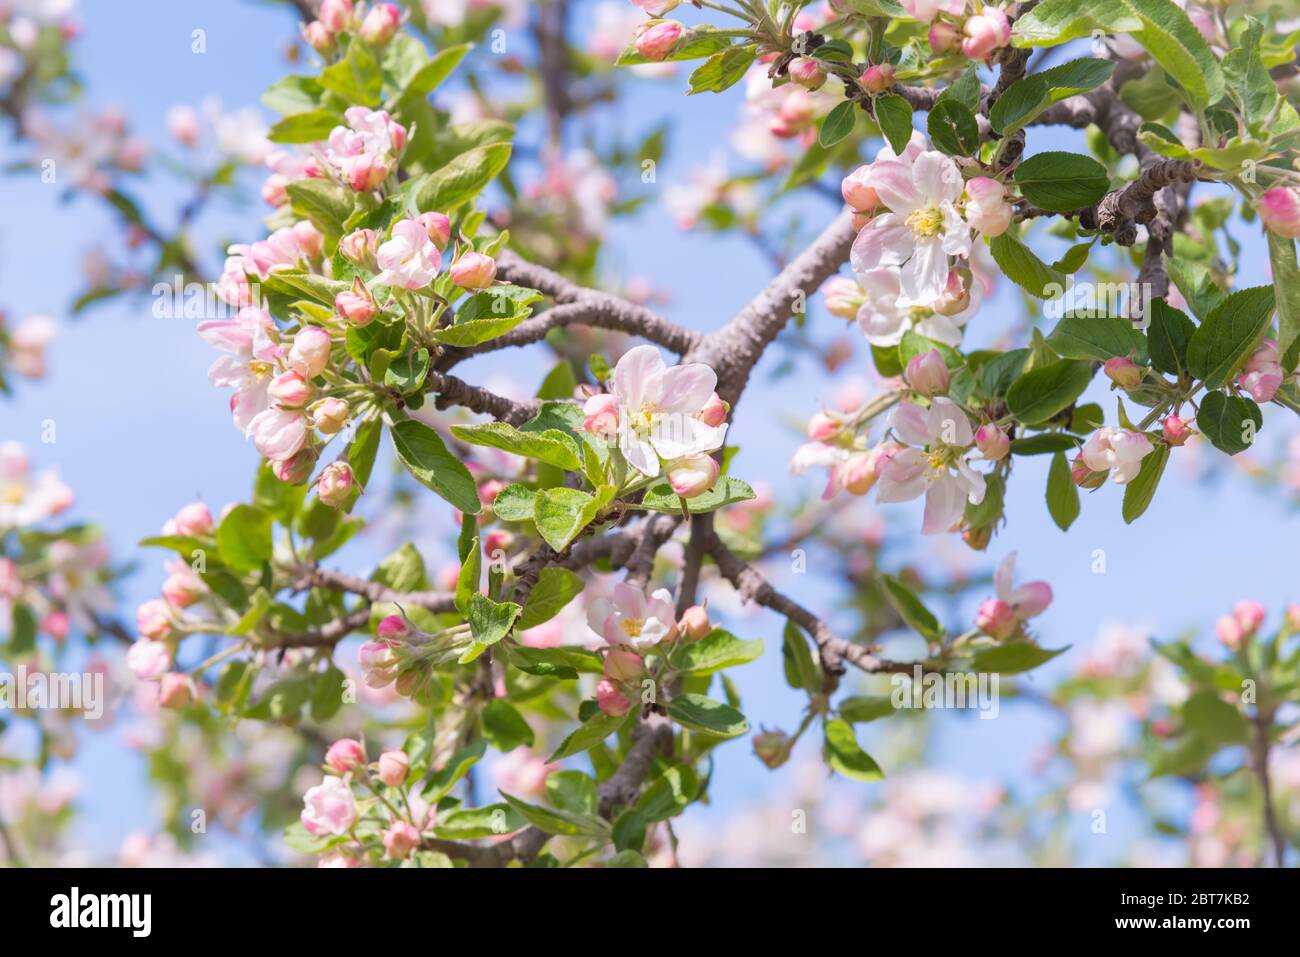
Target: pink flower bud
[(1250, 615), (310, 352), (399, 840), (611, 699), (183, 124), (335, 14), (1085, 477), (694, 623), (318, 37), (359, 247), (808, 72), (1175, 430), (693, 475), (843, 296), (772, 747), (194, 519), (335, 484), (474, 271), (927, 373), (1123, 371), (878, 78), (153, 619), (296, 469), (183, 589), (148, 659), (381, 23), (1230, 632), (1279, 211), (438, 227), (329, 808), (393, 628), (714, 411), (355, 305), (393, 768), (497, 542), (658, 39), (378, 664), (601, 413), (623, 665), (996, 619), (992, 442), (344, 755), (823, 427), (489, 490), (986, 208), (857, 193), (985, 33), (860, 471), (1262, 386), (330, 415), (944, 37), (290, 390), (175, 690)]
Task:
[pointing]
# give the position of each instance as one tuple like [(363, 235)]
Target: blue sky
[(140, 432)]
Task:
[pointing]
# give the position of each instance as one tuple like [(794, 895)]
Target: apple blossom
[(693, 475), (714, 412), (940, 472), (409, 260), (985, 32), (656, 8), (808, 72), (992, 442), (296, 469), (289, 390), (1262, 375), (497, 542), (857, 190), (359, 248), (1026, 601), (986, 207), (393, 768), (378, 663), (601, 414), (633, 619), (154, 619), (927, 374), (474, 271), (356, 305), (344, 755), (329, 808), (922, 228), (149, 659), (438, 226), (1123, 371), (659, 408), (335, 15), (1279, 211), (996, 619), (393, 628), (330, 415), (657, 39), (877, 78), (824, 427), (193, 520), (335, 484), (694, 623), (183, 587), (1118, 451), (943, 37), (611, 699), (844, 297), (623, 665), (310, 353), (381, 23), (279, 434), (318, 37), (1175, 430), (175, 690)]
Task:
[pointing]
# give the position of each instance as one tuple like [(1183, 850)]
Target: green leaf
[(1167, 337), (802, 670), (311, 126), (432, 73), (1096, 337), (457, 766), (1045, 443), (1042, 393), (859, 709), (356, 77), (1026, 98), (717, 650), (554, 662), (1062, 493), (702, 41), (1229, 334), (1230, 422), (425, 456), (1286, 288), (845, 756), (911, 609), (587, 735), (551, 445), (1213, 719), (472, 823), (515, 503), (328, 206), (244, 538), (722, 70), (572, 791), (403, 570), (1139, 491), (462, 179), (894, 117), (1023, 267), (727, 491), (489, 622), (504, 726), (554, 821), (561, 513), (1195, 283), (488, 314), (698, 713), (470, 576), (669, 795), (1247, 78), (406, 373), (838, 124), (953, 128), (629, 832), (1013, 657), (1061, 182), (555, 588)]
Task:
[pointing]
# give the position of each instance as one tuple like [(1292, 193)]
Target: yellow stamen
[(925, 223)]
